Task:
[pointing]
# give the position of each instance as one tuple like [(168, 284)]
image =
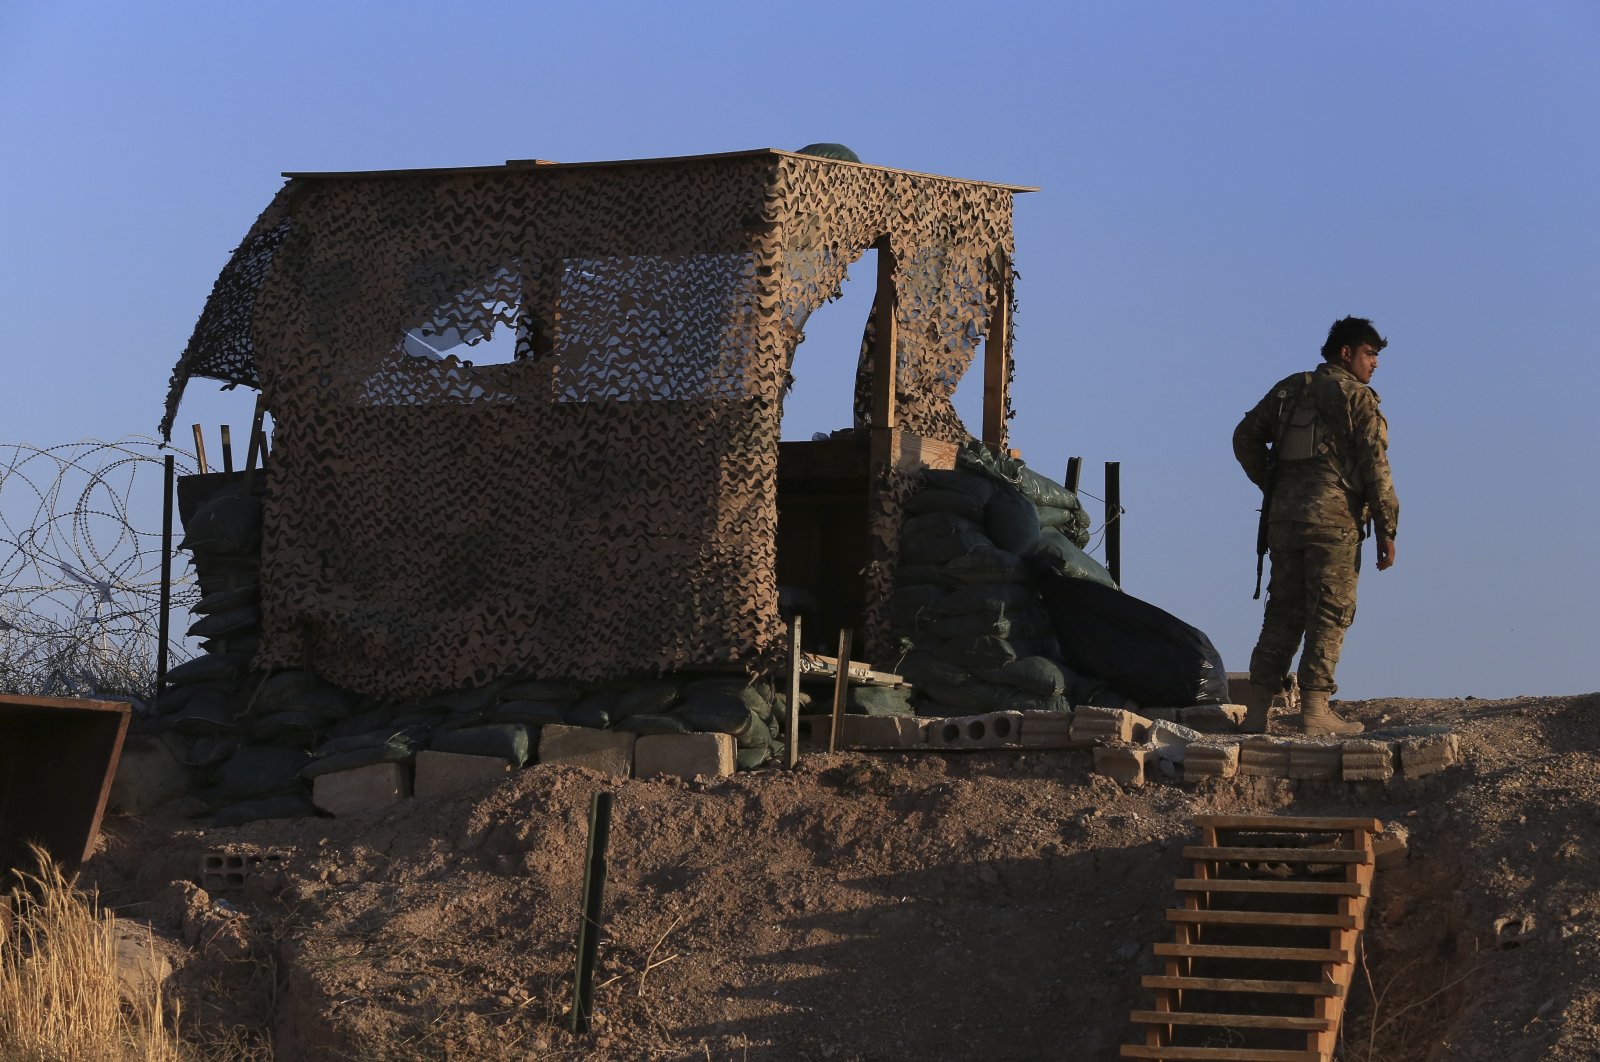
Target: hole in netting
[(434, 342), (822, 390)]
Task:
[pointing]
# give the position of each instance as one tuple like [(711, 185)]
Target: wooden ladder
[(1265, 943)]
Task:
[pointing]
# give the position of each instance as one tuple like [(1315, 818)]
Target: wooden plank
[(886, 340), (1223, 1054), (818, 665), (841, 689), (1292, 823), (1235, 951), (1276, 855), (1303, 888), (1231, 1021), (1217, 917), (791, 751), (1237, 984), (995, 361)]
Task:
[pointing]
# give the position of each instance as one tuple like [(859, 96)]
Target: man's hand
[(1387, 552)]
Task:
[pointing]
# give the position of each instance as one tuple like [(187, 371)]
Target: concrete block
[(1367, 760), (1313, 758), (224, 870), (1159, 715), (369, 788), (1264, 757), (442, 773), (987, 731), (684, 755), (1049, 730), (1210, 761), (148, 775), (1422, 756), (1122, 763), (1213, 718), (1097, 725), (881, 731), (606, 751), (1171, 739)]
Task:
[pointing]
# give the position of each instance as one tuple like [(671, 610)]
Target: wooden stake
[(168, 481), (594, 888), (227, 448), (996, 374), (791, 753), (841, 688), (200, 450)]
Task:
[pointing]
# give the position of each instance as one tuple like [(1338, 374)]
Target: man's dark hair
[(1351, 332)]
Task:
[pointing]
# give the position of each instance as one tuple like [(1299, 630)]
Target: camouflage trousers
[(1312, 595)]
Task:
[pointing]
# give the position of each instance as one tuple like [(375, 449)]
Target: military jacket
[(1334, 466)]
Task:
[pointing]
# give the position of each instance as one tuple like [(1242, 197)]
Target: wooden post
[(996, 370), (1114, 520), (1074, 473), (841, 689), (200, 450), (255, 434), (791, 752), (168, 483), (227, 448), (594, 888), (886, 340)]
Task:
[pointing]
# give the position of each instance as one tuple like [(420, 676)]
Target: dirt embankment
[(994, 905)]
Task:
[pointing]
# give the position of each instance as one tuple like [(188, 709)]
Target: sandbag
[(285, 806), (908, 604), (229, 624), (256, 770), (980, 654), (289, 729), (1141, 651), (225, 524), (227, 600), (987, 564), (209, 667), (531, 713), (755, 736), (987, 597), (1058, 551), (957, 503), (934, 538), (977, 696), (535, 690), (971, 625), (1011, 521), (395, 748), (209, 713), (648, 698), (1036, 674), (979, 487), (716, 713), (506, 741), (750, 759), (878, 700), (920, 668), (645, 723)]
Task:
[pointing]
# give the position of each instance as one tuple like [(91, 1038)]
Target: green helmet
[(830, 151)]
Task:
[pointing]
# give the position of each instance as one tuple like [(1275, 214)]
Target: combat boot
[(1317, 718), (1257, 705)]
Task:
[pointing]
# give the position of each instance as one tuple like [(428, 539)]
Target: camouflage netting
[(605, 501)]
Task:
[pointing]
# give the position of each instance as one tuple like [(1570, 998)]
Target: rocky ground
[(994, 905)]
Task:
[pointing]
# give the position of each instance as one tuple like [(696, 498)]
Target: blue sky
[(1219, 182)]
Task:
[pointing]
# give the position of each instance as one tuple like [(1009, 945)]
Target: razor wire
[(80, 568)]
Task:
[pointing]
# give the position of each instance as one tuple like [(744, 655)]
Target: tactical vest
[(1302, 436)]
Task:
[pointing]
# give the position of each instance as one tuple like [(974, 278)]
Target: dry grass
[(60, 993)]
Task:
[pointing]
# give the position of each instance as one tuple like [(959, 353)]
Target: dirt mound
[(995, 905)]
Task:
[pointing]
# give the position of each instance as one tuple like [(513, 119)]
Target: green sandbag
[(878, 700), (532, 713), (651, 724), (209, 713), (756, 735), (980, 696), (920, 668), (256, 771), (1050, 516), (954, 502), (649, 698), (716, 713), (1035, 674), (750, 759), (534, 690), (592, 714), (506, 741), (362, 723), (330, 702), (227, 600), (1058, 552), (971, 625), (210, 667), (280, 688), (988, 565), (909, 606), (988, 597), (980, 654), (229, 624), (224, 525), (977, 486), (286, 728), (1011, 521), (284, 806), (906, 574), (937, 538), (398, 748)]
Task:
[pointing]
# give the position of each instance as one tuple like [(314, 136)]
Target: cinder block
[(1422, 756), (1310, 758), (1264, 757), (987, 731), (1201, 760), (1213, 718), (359, 789), (1049, 730), (880, 731), (1366, 760), (1097, 725), (1170, 739), (606, 751), (441, 773), (1122, 763), (221, 871), (684, 755)]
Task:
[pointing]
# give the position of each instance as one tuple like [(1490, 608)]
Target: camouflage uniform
[(1332, 479)]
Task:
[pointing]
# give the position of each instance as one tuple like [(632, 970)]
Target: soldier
[(1317, 446)]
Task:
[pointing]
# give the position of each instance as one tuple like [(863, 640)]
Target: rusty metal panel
[(57, 758)]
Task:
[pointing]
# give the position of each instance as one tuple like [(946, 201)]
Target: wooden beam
[(996, 368), (886, 340), (791, 752), (841, 689)]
